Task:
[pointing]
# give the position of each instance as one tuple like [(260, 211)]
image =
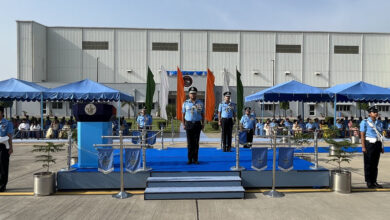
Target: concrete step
[(221, 192), (194, 181), (194, 173)]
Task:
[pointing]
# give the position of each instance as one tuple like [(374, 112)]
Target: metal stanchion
[(237, 167), (162, 138), (122, 194), (172, 129), (273, 193), (315, 166), (143, 144), (68, 162)]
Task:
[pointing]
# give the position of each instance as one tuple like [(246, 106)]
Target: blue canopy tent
[(20, 90), (357, 91), (290, 91), (87, 90)]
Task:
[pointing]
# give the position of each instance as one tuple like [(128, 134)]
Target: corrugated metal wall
[(131, 49)]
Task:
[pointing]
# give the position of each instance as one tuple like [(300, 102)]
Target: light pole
[(97, 69)]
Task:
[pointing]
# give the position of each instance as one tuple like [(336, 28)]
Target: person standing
[(144, 120), (193, 123), (6, 131), (248, 125), (372, 146), (226, 118)]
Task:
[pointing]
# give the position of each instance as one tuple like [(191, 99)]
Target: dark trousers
[(227, 127), (4, 166), (371, 160), (249, 138), (193, 134)]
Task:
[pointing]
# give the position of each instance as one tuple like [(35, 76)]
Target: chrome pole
[(122, 194), (273, 193), (172, 129), (69, 168), (143, 146), (237, 167), (315, 166), (162, 138)]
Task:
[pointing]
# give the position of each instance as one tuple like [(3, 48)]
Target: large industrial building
[(119, 58)]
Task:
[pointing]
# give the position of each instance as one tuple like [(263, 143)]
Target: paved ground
[(318, 205)]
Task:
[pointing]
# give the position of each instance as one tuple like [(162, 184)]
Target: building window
[(283, 48), (44, 108), (383, 108), (343, 108), (268, 107), (95, 45), (225, 47), (312, 110), (346, 49), (56, 105), (165, 46)]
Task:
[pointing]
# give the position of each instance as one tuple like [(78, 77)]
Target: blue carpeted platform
[(210, 159)]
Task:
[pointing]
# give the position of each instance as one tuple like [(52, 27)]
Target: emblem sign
[(90, 109), (187, 81)]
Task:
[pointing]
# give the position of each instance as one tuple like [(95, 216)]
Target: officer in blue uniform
[(6, 130), (226, 117), (248, 124), (193, 122), (370, 131), (144, 120)]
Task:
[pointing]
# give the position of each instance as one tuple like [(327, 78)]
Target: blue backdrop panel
[(88, 134)]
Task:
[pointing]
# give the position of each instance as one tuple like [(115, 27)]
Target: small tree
[(285, 106), (46, 158), (340, 148)]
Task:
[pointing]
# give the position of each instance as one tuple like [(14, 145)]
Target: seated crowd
[(52, 127), (347, 126)]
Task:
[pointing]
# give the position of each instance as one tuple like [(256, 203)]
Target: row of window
[(163, 46)]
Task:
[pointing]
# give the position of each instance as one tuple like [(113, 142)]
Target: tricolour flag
[(180, 96), (150, 87), (164, 91), (226, 81), (210, 97)]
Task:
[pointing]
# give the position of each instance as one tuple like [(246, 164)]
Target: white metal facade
[(55, 55)]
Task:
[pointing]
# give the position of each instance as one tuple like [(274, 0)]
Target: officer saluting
[(372, 146), (193, 122), (144, 120), (248, 123), (226, 115)]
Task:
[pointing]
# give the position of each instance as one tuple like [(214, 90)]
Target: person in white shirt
[(23, 128)]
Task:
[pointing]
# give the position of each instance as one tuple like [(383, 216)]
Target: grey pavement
[(317, 205)]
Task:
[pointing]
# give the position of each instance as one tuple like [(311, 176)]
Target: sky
[(279, 15)]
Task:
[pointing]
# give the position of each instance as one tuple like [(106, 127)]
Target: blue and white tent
[(86, 90), (290, 91), (359, 91), (20, 90)]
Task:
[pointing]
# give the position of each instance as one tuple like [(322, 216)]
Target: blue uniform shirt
[(309, 126), (248, 122), (316, 126), (143, 120), (370, 132), (227, 110), (193, 111), (6, 128), (339, 126)]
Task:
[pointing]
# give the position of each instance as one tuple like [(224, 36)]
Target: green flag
[(240, 96), (150, 87)]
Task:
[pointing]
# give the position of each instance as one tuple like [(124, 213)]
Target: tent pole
[(41, 114), (303, 111), (335, 109)]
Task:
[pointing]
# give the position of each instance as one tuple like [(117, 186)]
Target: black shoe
[(196, 162), (370, 186), (378, 185), (189, 162), (2, 190)]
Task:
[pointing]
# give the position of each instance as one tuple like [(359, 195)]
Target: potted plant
[(340, 180), (44, 182)]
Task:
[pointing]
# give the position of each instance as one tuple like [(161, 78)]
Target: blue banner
[(190, 73), (242, 137), (286, 159), (151, 136), (105, 160), (132, 160), (136, 140), (259, 158)]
